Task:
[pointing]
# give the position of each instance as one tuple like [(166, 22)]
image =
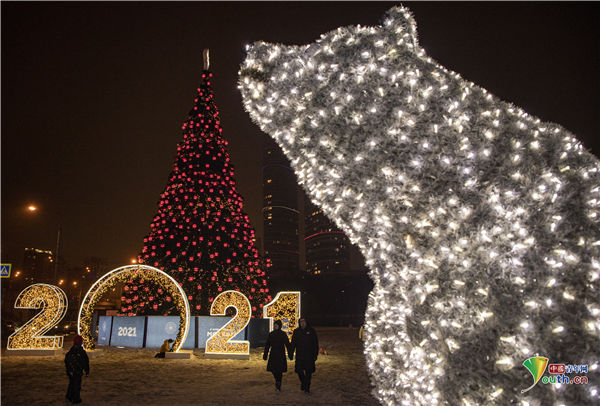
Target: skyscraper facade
[(38, 266), (280, 217), (327, 247)]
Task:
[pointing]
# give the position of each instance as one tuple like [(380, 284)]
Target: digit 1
[(285, 306)]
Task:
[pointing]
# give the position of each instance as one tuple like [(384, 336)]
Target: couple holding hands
[(306, 345)]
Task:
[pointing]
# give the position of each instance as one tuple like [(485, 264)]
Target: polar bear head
[(479, 222)]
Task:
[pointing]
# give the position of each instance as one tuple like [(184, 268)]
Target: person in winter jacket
[(306, 345), (76, 362), (278, 342), (164, 348)]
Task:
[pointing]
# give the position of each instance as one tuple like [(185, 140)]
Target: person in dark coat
[(76, 362), (306, 345), (278, 342)]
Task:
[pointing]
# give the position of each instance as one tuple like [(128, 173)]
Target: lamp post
[(32, 208), (58, 233)]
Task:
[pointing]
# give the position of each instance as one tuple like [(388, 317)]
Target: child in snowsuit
[(76, 361)]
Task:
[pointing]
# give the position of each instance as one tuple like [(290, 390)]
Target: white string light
[(479, 222)]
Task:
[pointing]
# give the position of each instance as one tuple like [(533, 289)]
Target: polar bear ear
[(400, 21)]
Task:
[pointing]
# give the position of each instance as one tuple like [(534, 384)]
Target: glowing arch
[(102, 285)]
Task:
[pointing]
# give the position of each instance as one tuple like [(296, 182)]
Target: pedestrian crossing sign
[(5, 270)]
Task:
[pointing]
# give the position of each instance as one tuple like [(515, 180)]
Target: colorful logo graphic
[(536, 367)]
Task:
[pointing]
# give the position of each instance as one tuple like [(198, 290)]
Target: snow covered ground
[(134, 377)]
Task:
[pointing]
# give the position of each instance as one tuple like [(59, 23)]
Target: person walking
[(278, 342), (164, 348), (76, 362), (306, 345)]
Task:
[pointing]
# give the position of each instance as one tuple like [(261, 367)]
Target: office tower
[(327, 247), (281, 217), (38, 266)]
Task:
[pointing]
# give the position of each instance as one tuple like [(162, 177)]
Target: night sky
[(94, 95)]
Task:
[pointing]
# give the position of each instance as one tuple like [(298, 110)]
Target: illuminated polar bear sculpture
[(479, 223)]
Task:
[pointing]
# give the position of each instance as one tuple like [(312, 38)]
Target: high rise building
[(336, 281), (327, 247), (280, 217), (38, 266)]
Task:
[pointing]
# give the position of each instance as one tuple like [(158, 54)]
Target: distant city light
[(133, 261), (32, 208)]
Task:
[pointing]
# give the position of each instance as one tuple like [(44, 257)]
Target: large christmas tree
[(200, 235)]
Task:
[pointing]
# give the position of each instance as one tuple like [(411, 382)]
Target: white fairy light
[(459, 190)]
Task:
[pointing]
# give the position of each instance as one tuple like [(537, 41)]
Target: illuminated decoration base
[(285, 307), (123, 274), (183, 354), (222, 343), (479, 222), (34, 353), (227, 356), (53, 302)]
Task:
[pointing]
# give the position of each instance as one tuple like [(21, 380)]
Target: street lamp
[(32, 208)]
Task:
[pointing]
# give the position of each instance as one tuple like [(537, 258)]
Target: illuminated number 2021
[(221, 342), (53, 302)]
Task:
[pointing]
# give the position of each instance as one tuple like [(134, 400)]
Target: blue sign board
[(161, 328), (104, 329), (258, 331), (128, 331), (5, 270), (208, 325)]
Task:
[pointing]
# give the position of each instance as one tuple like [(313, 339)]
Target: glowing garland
[(53, 302), (479, 223), (285, 307), (221, 342), (123, 274)]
